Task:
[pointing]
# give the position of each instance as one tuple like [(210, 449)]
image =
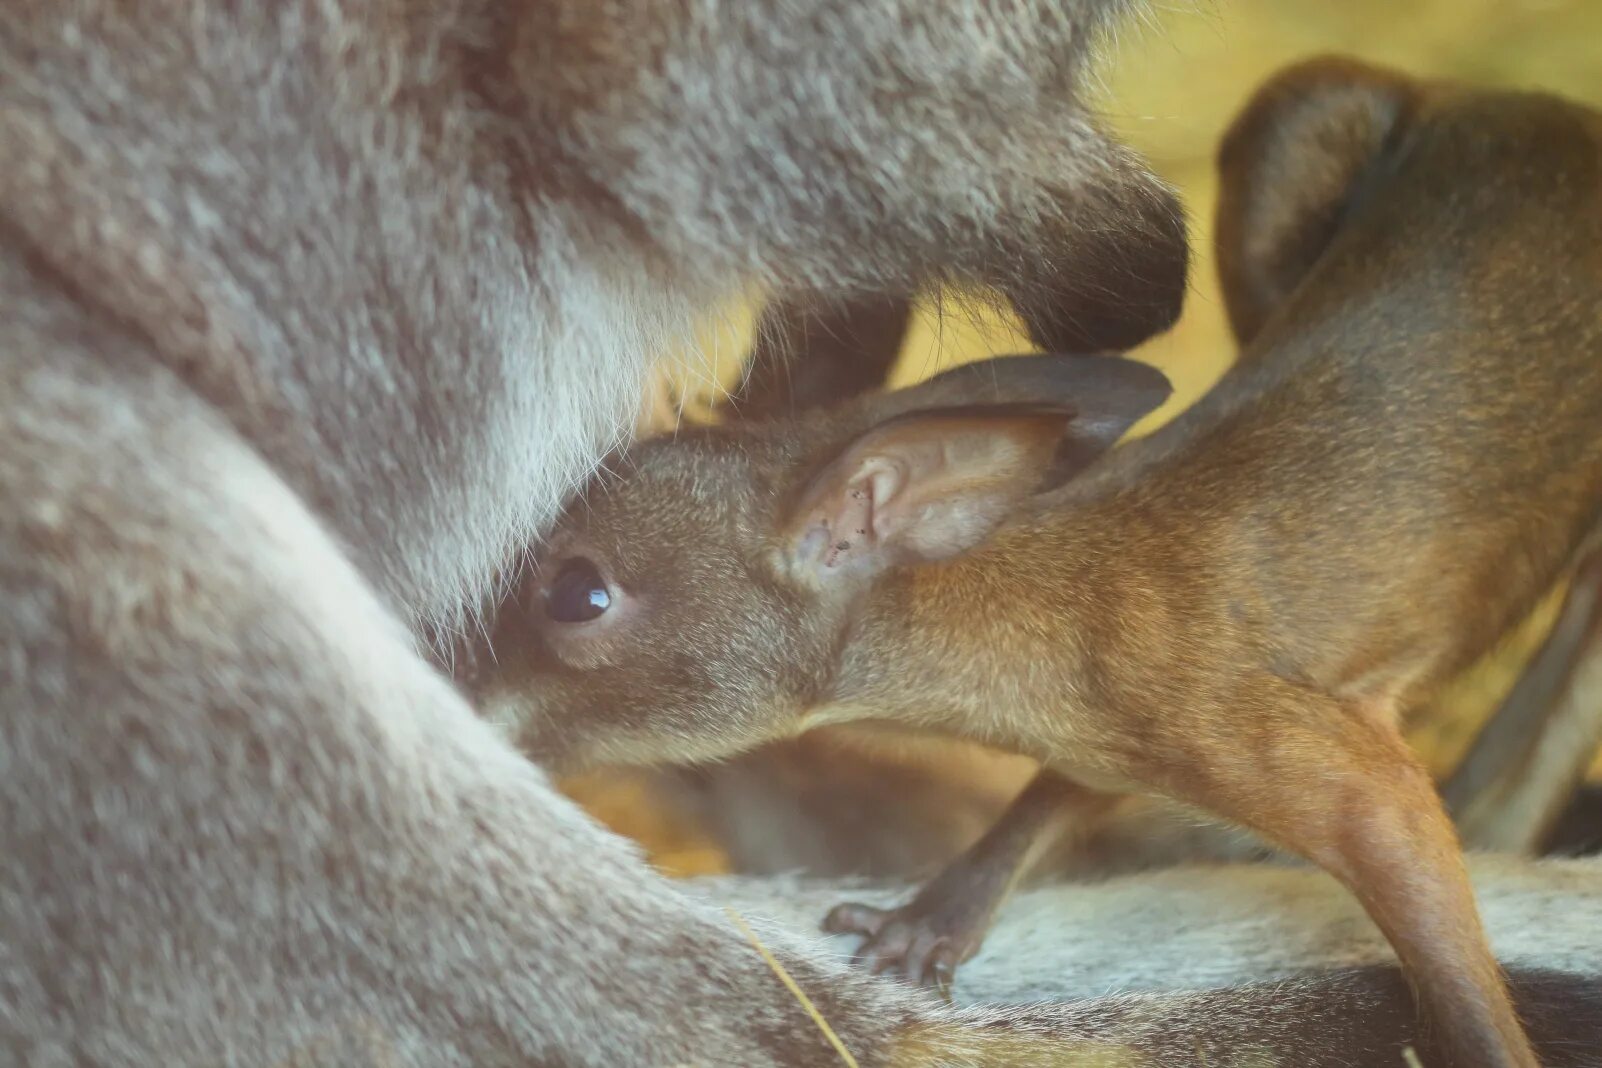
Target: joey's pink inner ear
[(924, 486)]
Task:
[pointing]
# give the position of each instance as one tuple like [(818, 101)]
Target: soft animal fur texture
[(1234, 612), (1209, 926), (313, 312), (797, 805), (312, 315), (1246, 965)]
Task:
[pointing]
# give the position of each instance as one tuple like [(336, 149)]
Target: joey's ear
[(1106, 394), (1297, 157), (808, 354), (930, 480), (923, 486)]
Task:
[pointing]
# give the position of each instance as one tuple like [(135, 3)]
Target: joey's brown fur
[(797, 805), (1234, 612)]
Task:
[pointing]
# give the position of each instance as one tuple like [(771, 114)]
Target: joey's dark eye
[(577, 594)]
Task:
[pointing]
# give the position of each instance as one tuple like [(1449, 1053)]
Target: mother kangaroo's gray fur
[(311, 312), (1249, 965)]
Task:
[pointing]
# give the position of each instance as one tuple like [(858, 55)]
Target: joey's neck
[(1064, 637), (1007, 645)]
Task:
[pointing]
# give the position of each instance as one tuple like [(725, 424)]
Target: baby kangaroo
[(1234, 612)]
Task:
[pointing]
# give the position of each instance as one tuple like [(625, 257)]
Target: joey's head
[(695, 601)]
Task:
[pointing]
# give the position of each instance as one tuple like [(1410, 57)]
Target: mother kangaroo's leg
[(199, 688)]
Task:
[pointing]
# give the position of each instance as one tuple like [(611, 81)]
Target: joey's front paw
[(923, 941)]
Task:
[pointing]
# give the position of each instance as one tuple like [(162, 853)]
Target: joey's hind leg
[(1336, 783), (945, 923)]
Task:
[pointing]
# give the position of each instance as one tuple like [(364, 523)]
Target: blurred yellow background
[(1171, 86)]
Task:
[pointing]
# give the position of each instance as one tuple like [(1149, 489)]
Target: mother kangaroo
[(312, 313)]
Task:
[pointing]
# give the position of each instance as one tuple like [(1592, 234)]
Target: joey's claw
[(887, 950), (848, 918), (930, 952), (902, 941), (945, 974), (885, 938)]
